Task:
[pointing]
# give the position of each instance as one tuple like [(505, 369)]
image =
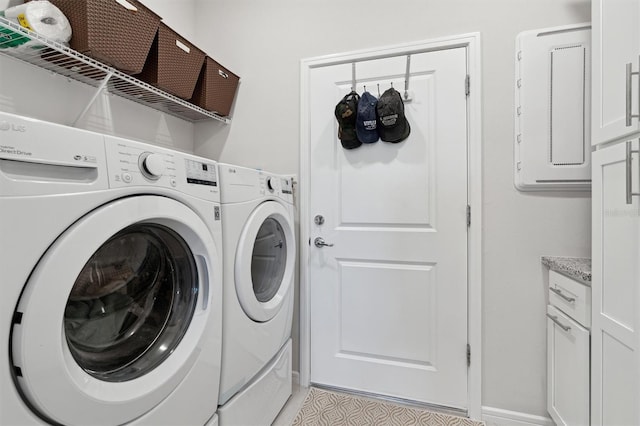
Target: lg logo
[(6, 126)]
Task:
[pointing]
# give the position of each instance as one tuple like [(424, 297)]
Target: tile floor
[(289, 412)]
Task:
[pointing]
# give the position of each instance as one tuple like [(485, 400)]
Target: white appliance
[(111, 307), (260, 250)]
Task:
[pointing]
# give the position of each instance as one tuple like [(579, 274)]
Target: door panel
[(389, 298)]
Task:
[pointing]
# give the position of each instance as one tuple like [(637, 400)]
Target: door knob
[(319, 242)]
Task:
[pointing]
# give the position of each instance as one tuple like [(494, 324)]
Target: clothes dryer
[(259, 243), (111, 260)]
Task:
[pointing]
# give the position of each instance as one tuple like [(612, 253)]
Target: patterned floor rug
[(324, 408)]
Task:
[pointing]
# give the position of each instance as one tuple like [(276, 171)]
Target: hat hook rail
[(407, 95), (407, 75), (353, 76)]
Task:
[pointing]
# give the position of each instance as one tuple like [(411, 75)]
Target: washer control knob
[(126, 178), (151, 165)]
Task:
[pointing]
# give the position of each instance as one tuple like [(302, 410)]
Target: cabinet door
[(616, 43), (567, 369), (615, 344)]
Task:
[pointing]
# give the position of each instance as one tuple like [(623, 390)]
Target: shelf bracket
[(99, 90)]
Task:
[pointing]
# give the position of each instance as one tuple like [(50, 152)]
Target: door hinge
[(468, 355), (467, 85), (468, 215)]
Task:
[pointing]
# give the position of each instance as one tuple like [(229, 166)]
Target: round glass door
[(265, 261), (268, 260), (113, 316), (131, 303)]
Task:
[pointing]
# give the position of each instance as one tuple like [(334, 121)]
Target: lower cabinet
[(568, 350), (567, 369)]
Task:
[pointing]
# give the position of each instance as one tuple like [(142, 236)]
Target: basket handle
[(183, 46), (223, 74), (127, 5)]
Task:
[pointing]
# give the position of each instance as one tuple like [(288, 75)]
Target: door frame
[(471, 42)]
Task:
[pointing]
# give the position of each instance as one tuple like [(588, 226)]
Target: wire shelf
[(60, 59)]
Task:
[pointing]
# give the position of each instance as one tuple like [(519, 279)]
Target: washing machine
[(258, 237), (111, 260)]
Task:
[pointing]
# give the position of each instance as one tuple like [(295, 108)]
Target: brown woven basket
[(118, 33), (216, 88), (173, 64)]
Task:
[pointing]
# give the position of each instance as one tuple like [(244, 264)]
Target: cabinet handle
[(629, 97), (629, 180), (559, 293), (555, 319)]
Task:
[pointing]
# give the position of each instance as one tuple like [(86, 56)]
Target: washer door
[(111, 319), (265, 261)]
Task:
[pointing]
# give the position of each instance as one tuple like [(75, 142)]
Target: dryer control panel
[(241, 184), (133, 163)]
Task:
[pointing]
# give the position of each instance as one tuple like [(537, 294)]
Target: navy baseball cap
[(392, 123), (345, 112), (366, 120)]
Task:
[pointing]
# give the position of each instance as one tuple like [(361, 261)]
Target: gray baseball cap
[(392, 123)]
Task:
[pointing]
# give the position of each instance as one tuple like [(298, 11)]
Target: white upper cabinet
[(616, 60)]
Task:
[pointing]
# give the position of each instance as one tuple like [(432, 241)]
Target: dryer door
[(112, 317), (265, 261)]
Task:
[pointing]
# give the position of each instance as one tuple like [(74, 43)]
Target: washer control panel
[(201, 173), (133, 163)]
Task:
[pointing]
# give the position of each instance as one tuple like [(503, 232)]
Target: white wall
[(263, 42), (33, 92)]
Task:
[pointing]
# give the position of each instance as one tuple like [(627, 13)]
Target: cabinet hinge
[(468, 215), (468, 355), (467, 85)]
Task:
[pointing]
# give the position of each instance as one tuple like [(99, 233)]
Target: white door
[(389, 298), (616, 45), (615, 338)]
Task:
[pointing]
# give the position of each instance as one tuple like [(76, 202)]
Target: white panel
[(376, 176), (619, 222), (619, 391), (568, 105), (396, 324), (552, 141)]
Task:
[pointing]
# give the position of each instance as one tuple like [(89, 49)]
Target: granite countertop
[(578, 268)]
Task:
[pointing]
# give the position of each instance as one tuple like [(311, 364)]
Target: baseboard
[(499, 417)]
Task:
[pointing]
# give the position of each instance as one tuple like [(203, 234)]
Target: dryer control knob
[(152, 165), (270, 185)]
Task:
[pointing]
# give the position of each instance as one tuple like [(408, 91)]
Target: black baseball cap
[(346, 112), (392, 123)]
